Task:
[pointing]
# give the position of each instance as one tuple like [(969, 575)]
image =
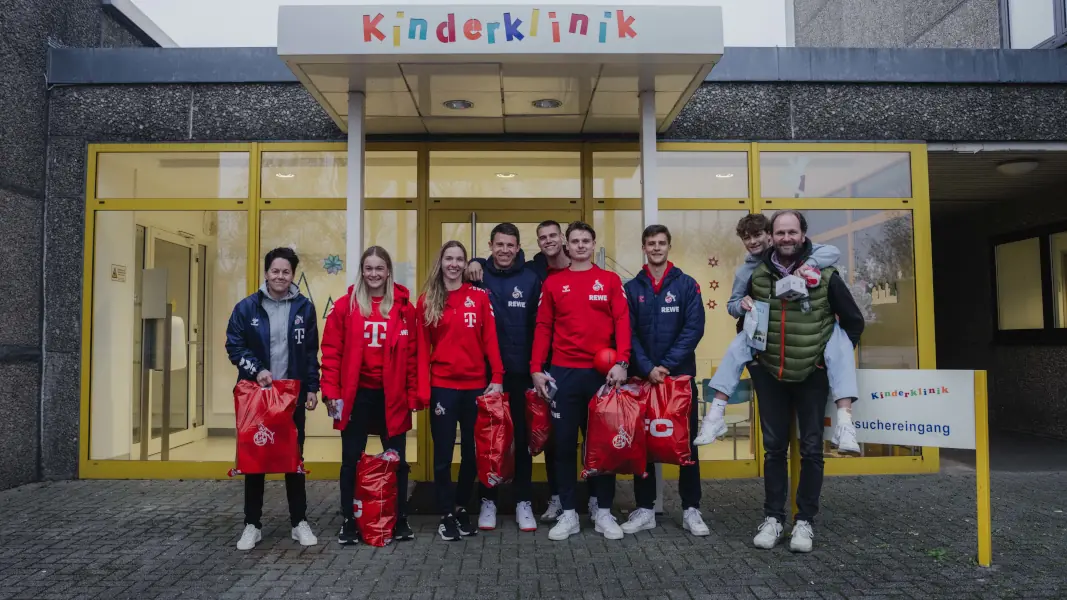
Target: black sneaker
[(349, 534), (448, 530), (463, 521), (402, 531)]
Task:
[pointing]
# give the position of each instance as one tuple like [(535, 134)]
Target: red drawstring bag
[(266, 432), (538, 422), (616, 431), (375, 502), (667, 421), (494, 440)]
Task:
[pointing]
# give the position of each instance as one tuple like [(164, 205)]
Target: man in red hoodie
[(582, 310)]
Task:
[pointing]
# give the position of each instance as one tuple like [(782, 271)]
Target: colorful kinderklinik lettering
[(510, 27)]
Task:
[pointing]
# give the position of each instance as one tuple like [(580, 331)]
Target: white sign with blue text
[(912, 407)]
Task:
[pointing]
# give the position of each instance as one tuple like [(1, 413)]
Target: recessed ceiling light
[(458, 104), (547, 103), (506, 175), (724, 175), (284, 175), (1017, 167)]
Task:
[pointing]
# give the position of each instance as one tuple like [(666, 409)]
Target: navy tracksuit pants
[(448, 408), (570, 413)]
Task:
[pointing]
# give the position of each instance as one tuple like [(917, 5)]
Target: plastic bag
[(266, 433), (667, 421), (616, 433), (494, 440), (375, 500), (538, 422)]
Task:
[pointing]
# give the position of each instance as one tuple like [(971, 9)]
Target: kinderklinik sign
[(499, 29)]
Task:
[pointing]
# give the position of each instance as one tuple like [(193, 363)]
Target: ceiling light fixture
[(547, 103), (1014, 168), (284, 175), (723, 175), (458, 104), (506, 175)]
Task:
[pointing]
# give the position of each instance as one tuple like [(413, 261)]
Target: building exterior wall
[(27, 30), (897, 23)]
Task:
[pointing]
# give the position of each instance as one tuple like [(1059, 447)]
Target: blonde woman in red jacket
[(369, 377), (457, 337)]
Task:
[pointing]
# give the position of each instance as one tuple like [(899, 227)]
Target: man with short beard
[(790, 375)]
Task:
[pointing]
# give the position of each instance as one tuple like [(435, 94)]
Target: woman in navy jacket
[(273, 334)]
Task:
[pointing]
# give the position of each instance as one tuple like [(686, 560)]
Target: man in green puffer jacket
[(791, 375)]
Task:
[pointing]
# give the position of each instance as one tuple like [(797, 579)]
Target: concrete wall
[(1026, 382), (27, 29), (897, 23)]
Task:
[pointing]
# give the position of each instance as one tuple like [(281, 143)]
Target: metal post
[(357, 145), (146, 390), (164, 435), (981, 468), (649, 179)]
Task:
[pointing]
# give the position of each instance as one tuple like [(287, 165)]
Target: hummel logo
[(566, 289), (255, 322)]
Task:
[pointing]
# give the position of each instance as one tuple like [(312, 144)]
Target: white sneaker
[(594, 507), (802, 537), (712, 428), (607, 525), (249, 537), (640, 520), (694, 523), (524, 517), (845, 438), (566, 526), (302, 533), (770, 533), (487, 516), (555, 509)]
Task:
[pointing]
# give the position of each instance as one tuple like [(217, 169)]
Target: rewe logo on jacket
[(516, 303), (669, 299)]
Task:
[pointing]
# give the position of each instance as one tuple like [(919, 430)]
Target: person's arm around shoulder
[(849, 315), (823, 256), (475, 269)]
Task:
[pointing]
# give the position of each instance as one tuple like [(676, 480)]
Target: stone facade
[(897, 23)]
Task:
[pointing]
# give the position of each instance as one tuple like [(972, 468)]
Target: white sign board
[(912, 407)]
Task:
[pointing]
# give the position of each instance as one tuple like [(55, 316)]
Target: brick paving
[(878, 537)]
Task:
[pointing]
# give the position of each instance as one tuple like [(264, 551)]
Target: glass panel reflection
[(492, 174), (680, 174), (172, 175), (835, 174)]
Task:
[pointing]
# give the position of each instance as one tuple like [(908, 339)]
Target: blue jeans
[(840, 365)]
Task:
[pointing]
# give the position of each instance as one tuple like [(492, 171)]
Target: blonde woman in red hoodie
[(457, 337), (369, 377)]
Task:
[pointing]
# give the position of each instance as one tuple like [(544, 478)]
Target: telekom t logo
[(470, 319), (376, 333)]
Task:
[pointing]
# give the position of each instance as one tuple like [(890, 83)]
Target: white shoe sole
[(487, 527), (709, 437), (528, 528), (851, 449), (297, 539), (259, 538), (643, 527), (799, 549), (609, 535), (703, 533), (765, 546), (559, 537)]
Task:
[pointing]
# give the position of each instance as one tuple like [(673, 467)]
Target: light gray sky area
[(249, 23)]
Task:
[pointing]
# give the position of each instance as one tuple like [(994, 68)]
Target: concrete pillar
[(357, 147)]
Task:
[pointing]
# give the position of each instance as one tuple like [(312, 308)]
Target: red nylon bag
[(616, 431), (667, 421), (494, 440), (266, 432), (538, 422), (374, 504)]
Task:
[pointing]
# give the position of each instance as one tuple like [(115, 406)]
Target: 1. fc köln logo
[(470, 319)]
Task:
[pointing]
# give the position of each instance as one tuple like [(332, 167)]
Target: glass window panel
[(1058, 244), (492, 174), (1019, 298), (681, 174), (202, 294), (172, 175), (325, 174), (1030, 22), (835, 174), (318, 237)]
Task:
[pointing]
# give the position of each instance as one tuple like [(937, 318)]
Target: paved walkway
[(878, 537)]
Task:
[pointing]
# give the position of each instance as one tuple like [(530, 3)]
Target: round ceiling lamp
[(458, 104), (547, 103)]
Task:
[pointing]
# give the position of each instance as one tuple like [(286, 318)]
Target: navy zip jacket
[(248, 341), (514, 293), (667, 323)]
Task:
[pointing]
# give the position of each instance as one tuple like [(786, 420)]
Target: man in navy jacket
[(667, 321), (514, 290)]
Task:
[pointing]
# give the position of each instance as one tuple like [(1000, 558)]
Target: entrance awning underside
[(434, 71)]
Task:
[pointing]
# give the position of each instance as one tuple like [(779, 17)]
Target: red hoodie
[(343, 342), (453, 353), (580, 313)]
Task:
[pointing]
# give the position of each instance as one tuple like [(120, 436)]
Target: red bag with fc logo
[(616, 433), (266, 432), (374, 505), (538, 422), (667, 421), (494, 440)]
